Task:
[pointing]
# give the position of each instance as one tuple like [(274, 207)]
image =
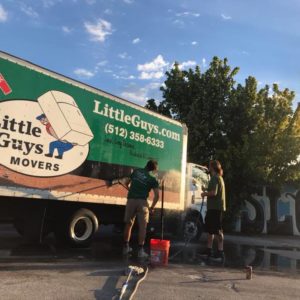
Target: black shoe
[(142, 254), (219, 256), (126, 249), (58, 156), (49, 155)]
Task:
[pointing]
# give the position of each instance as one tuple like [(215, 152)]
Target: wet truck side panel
[(65, 147)]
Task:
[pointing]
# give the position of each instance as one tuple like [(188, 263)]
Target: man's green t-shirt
[(141, 183), (218, 202)]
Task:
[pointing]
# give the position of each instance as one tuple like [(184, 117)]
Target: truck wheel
[(192, 229), (79, 229)]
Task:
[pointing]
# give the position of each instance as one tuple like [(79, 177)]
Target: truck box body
[(63, 140)]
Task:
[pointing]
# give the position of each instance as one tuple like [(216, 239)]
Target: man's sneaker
[(142, 253), (219, 256), (127, 250)]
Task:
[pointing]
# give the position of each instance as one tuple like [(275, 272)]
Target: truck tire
[(78, 230), (192, 228)]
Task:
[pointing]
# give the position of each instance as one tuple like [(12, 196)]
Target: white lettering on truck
[(134, 120)]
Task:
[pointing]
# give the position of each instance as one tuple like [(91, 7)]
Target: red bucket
[(159, 252)]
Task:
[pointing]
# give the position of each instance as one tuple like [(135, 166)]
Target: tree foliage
[(254, 132), (162, 108)]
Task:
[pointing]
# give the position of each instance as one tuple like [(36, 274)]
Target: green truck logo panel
[(84, 125)]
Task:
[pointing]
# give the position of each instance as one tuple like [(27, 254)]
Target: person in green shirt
[(141, 182), (216, 205)]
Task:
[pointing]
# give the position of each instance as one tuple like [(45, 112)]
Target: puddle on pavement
[(283, 259)]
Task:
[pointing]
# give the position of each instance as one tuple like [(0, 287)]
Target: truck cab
[(197, 178)]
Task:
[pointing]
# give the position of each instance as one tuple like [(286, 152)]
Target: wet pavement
[(267, 253), (47, 271), (282, 259)]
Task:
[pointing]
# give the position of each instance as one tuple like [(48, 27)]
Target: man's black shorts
[(213, 221)]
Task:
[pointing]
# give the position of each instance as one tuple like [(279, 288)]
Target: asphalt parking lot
[(49, 272)]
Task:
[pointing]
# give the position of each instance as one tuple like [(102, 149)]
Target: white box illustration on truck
[(65, 117)]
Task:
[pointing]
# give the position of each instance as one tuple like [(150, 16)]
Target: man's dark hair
[(216, 165), (151, 165)]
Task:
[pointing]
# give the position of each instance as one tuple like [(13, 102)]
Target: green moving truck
[(62, 144)]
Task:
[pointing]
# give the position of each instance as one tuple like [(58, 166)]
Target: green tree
[(254, 132), (198, 99), (162, 108), (262, 140)]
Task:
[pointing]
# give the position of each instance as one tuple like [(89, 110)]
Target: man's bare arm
[(155, 199), (126, 181), (209, 194)]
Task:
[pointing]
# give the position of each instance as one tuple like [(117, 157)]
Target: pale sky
[(124, 47)]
